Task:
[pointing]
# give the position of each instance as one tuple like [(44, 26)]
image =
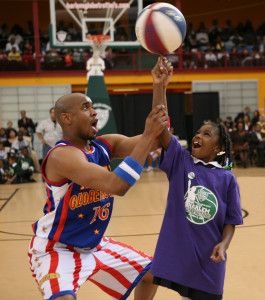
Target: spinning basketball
[(160, 28)]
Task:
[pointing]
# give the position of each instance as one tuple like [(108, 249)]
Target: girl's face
[(205, 143)]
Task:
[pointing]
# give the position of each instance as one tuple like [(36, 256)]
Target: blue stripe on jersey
[(100, 141), (177, 18), (35, 227), (49, 207), (56, 219)]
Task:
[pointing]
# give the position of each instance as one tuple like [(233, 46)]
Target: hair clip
[(220, 153)]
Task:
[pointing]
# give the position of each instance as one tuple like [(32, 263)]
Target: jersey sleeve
[(233, 212), (171, 156)]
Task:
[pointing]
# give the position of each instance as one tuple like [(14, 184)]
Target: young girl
[(203, 207)]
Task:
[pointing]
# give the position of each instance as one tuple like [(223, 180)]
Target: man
[(257, 145), (48, 132), (69, 247), (26, 123)]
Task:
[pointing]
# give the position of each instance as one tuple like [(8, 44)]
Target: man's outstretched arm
[(70, 163)]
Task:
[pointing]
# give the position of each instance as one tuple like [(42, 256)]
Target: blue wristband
[(129, 170)]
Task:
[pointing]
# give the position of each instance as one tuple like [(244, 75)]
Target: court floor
[(136, 220)]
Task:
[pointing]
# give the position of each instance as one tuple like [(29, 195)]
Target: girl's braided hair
[(225, 156)]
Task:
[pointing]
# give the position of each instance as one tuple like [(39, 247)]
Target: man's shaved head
[(68, 103)]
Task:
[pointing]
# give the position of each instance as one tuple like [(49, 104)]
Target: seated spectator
[(77, 56), (3, 135), (202, 37), (33, 154), (214, 32), (249, 35), (109, 58), (247, 123), (247, 60), (68, 58), (3, 56), (12, 44), (26, 166), (257, 145), (3, 152), (197, 59), (3, 171), (21, 167), (262, 123), (9, 127), (240, 144), (15, 35), (52, 57), (229, 124), (20, 141), (234, 60), (12, 169), (27, 57), (14, 55), (12, 137), (28, 46), (227, 31), (219, 44), (261, 44), (210, 59)]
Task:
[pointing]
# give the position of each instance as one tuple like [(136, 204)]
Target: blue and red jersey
[(75, 215)]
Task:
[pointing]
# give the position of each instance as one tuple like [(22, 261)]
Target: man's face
[(84, 119), (23, 114)]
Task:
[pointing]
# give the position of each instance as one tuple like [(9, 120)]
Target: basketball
[(160, 28)]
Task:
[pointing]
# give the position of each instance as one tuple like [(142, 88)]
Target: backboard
[(73, 20)]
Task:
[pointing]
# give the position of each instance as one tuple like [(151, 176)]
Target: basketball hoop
[(98, 43)]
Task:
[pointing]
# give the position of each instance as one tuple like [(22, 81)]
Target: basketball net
[(98, 43)]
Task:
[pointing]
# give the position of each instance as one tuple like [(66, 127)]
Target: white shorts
[(58, 269)]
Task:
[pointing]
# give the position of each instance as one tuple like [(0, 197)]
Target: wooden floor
[(136, 220)]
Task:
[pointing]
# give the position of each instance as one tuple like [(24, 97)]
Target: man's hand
[(156, 122), (219, 253), (162, 71)]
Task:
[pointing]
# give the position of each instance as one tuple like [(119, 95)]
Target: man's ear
[(66, 118)]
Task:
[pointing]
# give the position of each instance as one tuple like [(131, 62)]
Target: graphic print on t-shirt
[(201, 204)]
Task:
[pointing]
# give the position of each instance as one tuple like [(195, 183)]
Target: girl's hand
[(219, 253), (162, 71)]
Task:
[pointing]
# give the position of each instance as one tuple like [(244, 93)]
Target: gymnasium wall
[(133, 82)]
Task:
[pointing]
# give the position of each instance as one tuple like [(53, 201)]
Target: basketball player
[(69, 247), (203, 207)]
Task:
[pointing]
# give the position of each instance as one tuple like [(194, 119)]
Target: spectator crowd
[(247, 133), (217, 46), (19, 161)]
